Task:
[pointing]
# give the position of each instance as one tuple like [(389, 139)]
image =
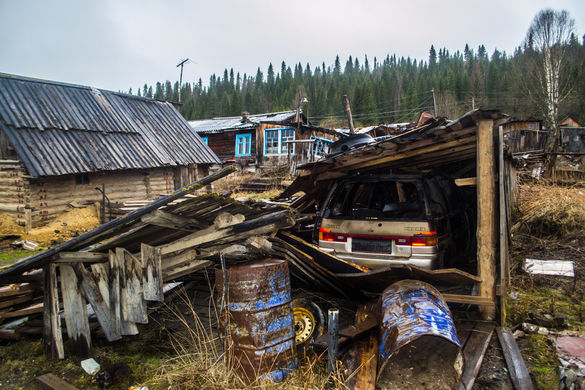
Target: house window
[(274, 141), (82, 178), (205, 140), (243, 145), (320, 146)]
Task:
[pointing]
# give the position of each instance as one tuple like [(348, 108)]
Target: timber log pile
[(121, 266)]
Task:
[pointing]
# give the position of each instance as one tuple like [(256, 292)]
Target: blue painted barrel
[(260, 322), (417, 338)]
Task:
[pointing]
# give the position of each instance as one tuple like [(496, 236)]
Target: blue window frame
[(205, 139), (320, 146), (243, 145), (274, 141)]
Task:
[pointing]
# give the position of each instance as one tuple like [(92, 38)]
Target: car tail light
[(327, 235), (424, 239)]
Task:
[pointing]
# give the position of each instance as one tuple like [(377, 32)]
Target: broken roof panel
[(59, 129)]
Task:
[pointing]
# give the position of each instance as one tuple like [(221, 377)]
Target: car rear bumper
[(425, 257)]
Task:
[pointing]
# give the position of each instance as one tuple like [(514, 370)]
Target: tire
[(309, 322)]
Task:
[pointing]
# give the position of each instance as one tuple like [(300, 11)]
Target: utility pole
[(348, 113), (183, 62), (434, 101)]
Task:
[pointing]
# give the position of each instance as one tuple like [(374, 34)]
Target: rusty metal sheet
[(417, 340), (260, 319)]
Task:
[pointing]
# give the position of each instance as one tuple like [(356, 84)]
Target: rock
[(90, 366)]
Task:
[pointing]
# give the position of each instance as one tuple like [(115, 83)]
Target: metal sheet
[(415, 311), (58, 129)]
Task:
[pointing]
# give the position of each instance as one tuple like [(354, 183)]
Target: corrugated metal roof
[(58, 129), (216, 125)]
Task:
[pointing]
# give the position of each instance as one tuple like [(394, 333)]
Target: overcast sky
[(118, 44)]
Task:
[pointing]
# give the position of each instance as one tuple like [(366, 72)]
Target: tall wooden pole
[(348, 113), (486, 208), (181, 75)]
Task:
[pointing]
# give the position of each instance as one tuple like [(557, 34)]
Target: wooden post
[(333, 338), (348, 113), (27, 220), (52, 337), (486, 208), (503, 228), (152, 280), (75, 309)]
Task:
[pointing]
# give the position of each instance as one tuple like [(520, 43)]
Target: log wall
[(36, 201)]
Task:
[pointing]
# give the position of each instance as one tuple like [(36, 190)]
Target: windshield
[(390, 199)]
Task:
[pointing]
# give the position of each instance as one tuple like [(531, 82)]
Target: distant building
[(264, 139), (60, 142)]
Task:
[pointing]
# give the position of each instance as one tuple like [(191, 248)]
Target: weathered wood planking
[(152, 278), (116, 263), (75, 310), (52, 336), (172, 221), (365, 351), (52, 382), (99, 302), (474, 351), (132, 304), (516, 365)]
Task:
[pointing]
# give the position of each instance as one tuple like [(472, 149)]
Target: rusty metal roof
[(218, 125), (58, 129)]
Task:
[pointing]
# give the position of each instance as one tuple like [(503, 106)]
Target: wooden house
[(264, 139), (525, 135), (61, 143)]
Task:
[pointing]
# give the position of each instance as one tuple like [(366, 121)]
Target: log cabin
[(62, 143), (265, 139)]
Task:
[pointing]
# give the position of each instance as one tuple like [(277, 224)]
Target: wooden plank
[(262, 225), (516, 366), (132, 305), (365, 353), (115, 290), (34, 309), (16, 300), (186, 269), (467, 181), (469, 299), (52, 382), (486, 207), (9, 291), (474, 351), (172, 221), (152, 278), (83, 257), (99, 303), (75, 309), (175, 260), (52, 336)]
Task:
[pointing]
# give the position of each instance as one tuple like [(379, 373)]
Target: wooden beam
[(52, 382), (467, 181), (75, 309), (81, 257), (52, 336), (486, 208), (469, 299), (152, 280), (172, 221), (262, 225), (186, 269), (9, 291), (474, 351), (516, 366)]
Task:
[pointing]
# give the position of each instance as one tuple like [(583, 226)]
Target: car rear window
[(388, 199)]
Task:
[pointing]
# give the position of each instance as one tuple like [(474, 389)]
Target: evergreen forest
[(389, 90)]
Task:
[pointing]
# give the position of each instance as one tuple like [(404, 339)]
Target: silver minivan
[(379, 220)]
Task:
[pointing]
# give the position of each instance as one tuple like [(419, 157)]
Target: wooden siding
[(224, 145), (42, 199)]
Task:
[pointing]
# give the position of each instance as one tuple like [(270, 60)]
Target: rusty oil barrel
[(418, 345), (260, 324)]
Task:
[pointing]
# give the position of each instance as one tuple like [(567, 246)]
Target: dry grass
[(200, 362), (548, 210)]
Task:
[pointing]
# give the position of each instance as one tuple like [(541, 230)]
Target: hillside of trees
[(389, 90)]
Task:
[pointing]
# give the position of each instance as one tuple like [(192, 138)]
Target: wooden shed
[(264, 139), (61, 143)]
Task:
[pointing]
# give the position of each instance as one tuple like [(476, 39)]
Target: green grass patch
[(10, 256), (542, 358)]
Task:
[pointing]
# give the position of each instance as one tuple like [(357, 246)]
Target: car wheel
[(308, 321)]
